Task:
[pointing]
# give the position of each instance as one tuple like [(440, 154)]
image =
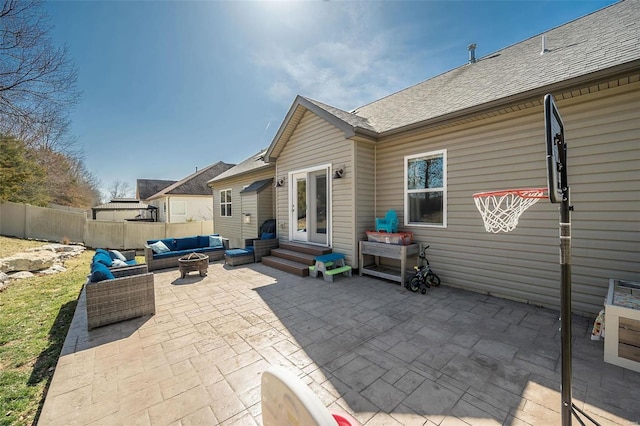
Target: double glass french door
[(309, 201)]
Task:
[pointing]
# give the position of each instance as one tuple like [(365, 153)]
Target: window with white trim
[(425, 191), (225, 203)]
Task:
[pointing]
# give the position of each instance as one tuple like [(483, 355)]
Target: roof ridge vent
[(472, 53)]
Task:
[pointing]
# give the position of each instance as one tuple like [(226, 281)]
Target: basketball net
[(501, 210)]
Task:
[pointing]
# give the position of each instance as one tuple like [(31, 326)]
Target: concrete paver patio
[(363, 345)]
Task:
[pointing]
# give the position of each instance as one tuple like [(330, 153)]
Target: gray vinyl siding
[(266, 204), (249, 202), (315, 142), (364, 192), (603, 137), (233, 227)]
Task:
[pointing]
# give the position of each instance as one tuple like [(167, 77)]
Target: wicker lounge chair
[(131, 294), (262, 246)]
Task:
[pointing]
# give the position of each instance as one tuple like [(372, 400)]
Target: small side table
[(193, 262)]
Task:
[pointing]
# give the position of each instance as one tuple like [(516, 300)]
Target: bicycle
[(424, 276)]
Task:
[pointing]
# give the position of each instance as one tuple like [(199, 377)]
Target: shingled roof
[(607, 39), (145, 188), (196, 183), (256, 161), (600, 45)]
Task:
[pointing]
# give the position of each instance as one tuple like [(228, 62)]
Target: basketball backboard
[(556, 151)]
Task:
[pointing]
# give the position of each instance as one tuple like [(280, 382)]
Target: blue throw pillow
[(159, 247), (267, 236), (215, 242), (100, 272), (102, 257)]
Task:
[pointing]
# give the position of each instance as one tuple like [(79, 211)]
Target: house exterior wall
[(602, 130), (364, 193), (196, 208), (315, 142), (233, 227), (266, 205), (249, 203)]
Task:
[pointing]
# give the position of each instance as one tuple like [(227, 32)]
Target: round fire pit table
[(193, 262)]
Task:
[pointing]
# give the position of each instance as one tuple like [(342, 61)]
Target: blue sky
[(168, 86)]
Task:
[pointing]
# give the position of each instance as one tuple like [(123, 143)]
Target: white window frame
[(443, 189), (226, 203)]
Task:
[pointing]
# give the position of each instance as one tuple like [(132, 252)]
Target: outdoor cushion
[(100, 272), (170, 243), (187, 243), (99, 250), (115, 254), (237, 252), (203, 240), (215, 241), (103, 258), (267, 236), (159, 247), (118, 262)]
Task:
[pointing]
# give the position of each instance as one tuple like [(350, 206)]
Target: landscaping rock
[(21, 275), (3, 277), (33, 261), (53, 270)]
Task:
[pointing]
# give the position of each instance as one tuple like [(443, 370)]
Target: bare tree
[(37, 80), (119, 189)]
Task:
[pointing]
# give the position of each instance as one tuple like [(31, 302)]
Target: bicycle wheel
[(433, 280), (414, 284)]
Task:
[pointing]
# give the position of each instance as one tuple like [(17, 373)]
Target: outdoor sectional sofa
[(211, 245), (118, 294)]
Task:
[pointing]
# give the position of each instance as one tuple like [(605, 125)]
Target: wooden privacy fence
[(41, 223)]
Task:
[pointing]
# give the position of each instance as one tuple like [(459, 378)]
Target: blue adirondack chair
[(389, 223)]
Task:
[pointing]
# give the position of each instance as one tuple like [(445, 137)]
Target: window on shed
[(426, 189), (225, 203)]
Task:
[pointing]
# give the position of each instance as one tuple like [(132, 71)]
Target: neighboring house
[(243, 198), (475, 128), (186, 200)]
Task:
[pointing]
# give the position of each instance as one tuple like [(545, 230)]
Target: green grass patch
[(9, 245), (36, 315)]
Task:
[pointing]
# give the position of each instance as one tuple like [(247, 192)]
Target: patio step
[(305, 248), (294, 258), (286, 265)]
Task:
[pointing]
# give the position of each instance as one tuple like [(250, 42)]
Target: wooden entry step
[(294, 258)]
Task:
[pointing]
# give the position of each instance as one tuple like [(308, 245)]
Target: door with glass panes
[(309, 201)]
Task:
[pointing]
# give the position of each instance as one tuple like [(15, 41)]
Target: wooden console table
[(390, 251)]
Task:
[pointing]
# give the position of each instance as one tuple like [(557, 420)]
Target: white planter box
[(622, 324)]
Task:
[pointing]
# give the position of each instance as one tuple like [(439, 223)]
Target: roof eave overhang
[(523, 97), (218, 179), (281, 136)]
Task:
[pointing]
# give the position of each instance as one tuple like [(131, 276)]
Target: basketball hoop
[(501, 210)]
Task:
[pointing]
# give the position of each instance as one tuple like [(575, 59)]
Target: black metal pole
[(565, 308), (565, 291)]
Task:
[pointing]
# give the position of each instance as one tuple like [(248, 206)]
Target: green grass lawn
[(35, 314)]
